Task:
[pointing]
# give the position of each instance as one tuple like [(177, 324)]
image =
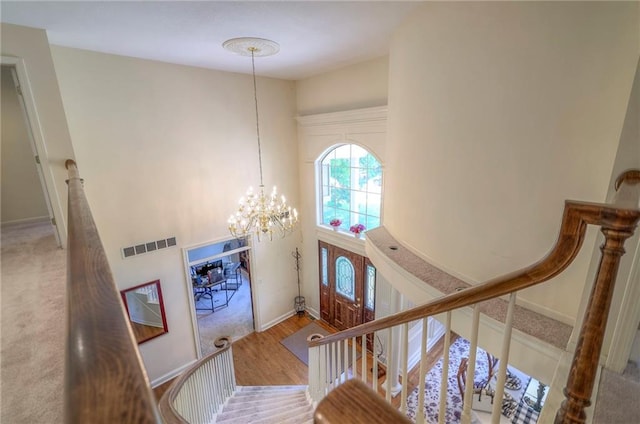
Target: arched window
[(350, 187)]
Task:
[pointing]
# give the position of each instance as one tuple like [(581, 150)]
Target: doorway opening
[(25, 198), (220, 282)]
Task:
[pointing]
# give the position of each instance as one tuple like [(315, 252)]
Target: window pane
[(359, 180), (351, 187), (345, 278), (373, 204), (341, 198), (327, 215), (369, 161), (357, 218), (325, 279), (342, 215), (372, 222), (370, 288), (343, 151), (358, 152)]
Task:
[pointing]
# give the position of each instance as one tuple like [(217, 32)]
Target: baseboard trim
[(542, 310), (277, 320), (27, 221), (315, 314), (172, 374)]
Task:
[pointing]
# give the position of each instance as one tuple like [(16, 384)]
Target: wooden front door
[(341, 286)]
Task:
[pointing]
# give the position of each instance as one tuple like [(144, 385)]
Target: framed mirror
[(145, 308)]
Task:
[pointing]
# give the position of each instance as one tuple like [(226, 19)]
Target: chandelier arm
[(255, 98)]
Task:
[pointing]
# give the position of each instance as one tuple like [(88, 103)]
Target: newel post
[(617, 226)]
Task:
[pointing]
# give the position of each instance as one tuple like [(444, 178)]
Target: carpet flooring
[(235, 320), (33, 331)]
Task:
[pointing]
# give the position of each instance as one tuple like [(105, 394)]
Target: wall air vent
[(148, 247)]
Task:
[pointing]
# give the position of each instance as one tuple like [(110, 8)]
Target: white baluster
[(374, 377), (471, 368), (444, 380), (314, 364), (405, 364), (354, 356), (504, 361), (325, 371), (390, 367), (338, 374), (423, 373), (364, 358), (333, 366), (345, 364)]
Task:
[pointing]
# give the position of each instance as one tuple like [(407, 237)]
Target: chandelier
[(258, 213)]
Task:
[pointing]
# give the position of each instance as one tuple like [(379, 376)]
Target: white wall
[(353, 87), (167, 150), (498, 112), (362, 85), (50, 124), (22, 195)]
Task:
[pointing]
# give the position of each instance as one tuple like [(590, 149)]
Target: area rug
[(458, 350), (235, 320), (297, 342)]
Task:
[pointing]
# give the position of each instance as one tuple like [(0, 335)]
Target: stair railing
[(200, 392), (105, 380), (328, 356)]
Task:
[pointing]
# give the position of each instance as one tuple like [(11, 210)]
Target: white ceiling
[(314, 36)]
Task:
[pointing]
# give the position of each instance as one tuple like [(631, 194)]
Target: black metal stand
[(298, 302)]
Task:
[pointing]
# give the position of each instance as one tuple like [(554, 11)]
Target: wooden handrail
[(339, 406), (105, 381), (577, 215), (617, 221), (167, 410)]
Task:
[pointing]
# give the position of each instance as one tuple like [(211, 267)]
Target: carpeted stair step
[(248, 396), (269, 388), (267, 405), (294, 415), (240, 397), (265, 415)]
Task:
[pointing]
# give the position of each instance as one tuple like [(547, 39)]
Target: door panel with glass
[(342, 287)]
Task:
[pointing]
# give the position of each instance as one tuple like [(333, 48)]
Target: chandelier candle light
[(258, 213)]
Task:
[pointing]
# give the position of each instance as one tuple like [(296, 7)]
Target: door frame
[(38, 147), (189, 284), (359, 269)]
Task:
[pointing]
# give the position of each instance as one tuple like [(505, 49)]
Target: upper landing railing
[(105, 381), (329, 356)]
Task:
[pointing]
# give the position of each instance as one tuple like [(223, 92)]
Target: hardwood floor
[(260, 359)]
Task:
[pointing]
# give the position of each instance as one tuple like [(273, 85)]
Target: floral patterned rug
[(460, 349)]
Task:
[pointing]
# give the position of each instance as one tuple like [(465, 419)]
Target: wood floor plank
[(260, 359)]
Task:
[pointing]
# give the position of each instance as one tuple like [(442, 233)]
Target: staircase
[(268, 405), (207, 393)]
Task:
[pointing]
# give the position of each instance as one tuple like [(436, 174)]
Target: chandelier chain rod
[(255, 98)]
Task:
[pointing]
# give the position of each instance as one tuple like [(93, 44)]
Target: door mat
[(297, 342)]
